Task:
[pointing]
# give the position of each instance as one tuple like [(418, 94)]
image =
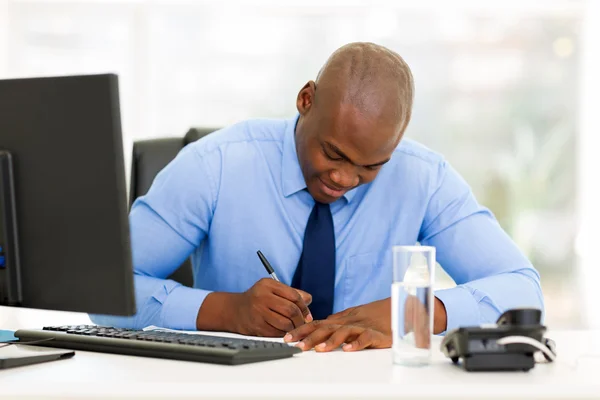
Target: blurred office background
[(504, 89)]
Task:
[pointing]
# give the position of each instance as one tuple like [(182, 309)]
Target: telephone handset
[(509, 344)]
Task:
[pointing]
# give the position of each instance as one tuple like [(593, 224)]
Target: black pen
[(268, 267)]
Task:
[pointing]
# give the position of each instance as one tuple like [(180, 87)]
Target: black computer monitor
[(64, 232)]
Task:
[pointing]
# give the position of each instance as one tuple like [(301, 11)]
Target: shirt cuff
[(461, 307), (180, 310)]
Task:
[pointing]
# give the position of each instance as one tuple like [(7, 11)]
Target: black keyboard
[(172, 345)]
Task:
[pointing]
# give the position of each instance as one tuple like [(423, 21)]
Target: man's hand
[(361, 327), (367, 326), (326, 335), (376, 315), (269, 308)]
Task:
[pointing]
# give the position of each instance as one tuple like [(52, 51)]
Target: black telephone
[(508, 345)]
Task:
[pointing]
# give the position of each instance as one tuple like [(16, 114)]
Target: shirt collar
[(292, 179)]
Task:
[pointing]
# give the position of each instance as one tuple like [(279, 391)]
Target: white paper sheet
[(220, 334)]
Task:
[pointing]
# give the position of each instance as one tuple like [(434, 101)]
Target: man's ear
[(306, 97)]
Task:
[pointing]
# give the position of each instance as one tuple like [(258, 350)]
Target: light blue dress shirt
[(241, 189)]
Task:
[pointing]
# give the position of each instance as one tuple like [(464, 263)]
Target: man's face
[(339, 148)]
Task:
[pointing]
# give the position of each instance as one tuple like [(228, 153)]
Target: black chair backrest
[(149, 158), (194, 134)]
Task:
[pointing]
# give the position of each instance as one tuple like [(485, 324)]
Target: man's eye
[(332, 158), (373, 167)]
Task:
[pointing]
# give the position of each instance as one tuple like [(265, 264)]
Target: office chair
[(148, 159)]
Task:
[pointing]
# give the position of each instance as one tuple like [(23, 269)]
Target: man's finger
[(268, 330), (289, 311), (307, 297), (345, 334), (368, 339), (292, 295), (318, 336), (300, 333), (363, 341), (281, 322)]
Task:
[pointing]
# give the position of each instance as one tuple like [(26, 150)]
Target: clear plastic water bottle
[(412, 304)]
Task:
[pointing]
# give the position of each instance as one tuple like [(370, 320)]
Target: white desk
[(367, 375)]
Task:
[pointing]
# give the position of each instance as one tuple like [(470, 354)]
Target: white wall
[(3, 37), (588, 241)]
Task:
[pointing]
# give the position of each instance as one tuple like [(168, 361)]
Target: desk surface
[(367, 374)]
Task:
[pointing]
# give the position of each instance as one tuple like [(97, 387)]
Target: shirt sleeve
[(491, 273), (166, 226)]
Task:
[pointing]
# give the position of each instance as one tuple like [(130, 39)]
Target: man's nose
[(344, 178)]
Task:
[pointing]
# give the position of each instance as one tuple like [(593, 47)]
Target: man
[(324, 196)]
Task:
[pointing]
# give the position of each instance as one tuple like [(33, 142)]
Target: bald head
[(372, 78), (352, 118)]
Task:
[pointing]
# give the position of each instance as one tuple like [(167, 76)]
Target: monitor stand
[(11, 293)]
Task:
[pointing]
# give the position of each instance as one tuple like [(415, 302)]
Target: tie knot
[(321, 210)]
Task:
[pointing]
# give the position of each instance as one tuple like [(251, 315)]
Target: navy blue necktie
[(316, 269)]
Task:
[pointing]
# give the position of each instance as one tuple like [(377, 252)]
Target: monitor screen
[(63, 138)]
